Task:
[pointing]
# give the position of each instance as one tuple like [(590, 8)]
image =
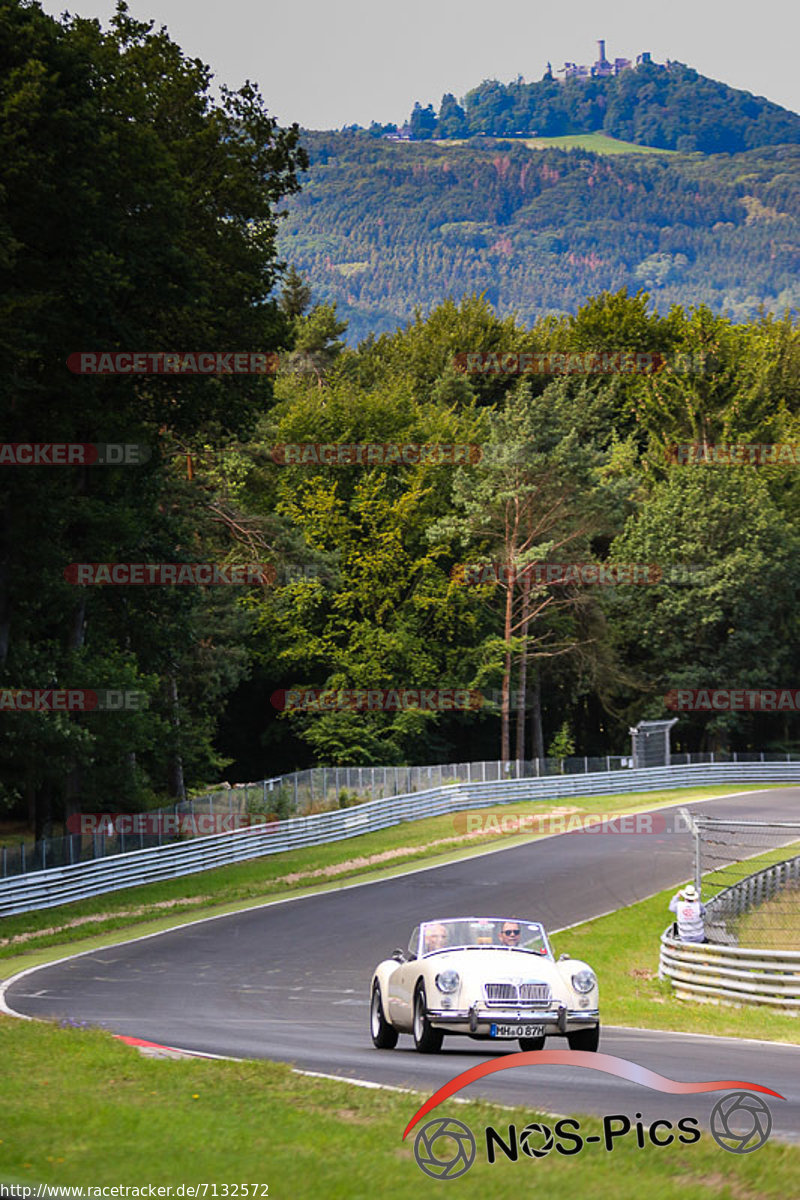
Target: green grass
[(716, 881), (596, 142), (774, 925), (160, 905), (80, 1108)]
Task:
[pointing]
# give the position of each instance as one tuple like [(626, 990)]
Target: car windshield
[(459, 933)]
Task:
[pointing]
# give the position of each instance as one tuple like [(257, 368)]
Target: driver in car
[(510, 933)]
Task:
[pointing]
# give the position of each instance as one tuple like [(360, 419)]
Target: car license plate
[(516, 1031)]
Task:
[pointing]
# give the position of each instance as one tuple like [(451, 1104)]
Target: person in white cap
[(689, 912)]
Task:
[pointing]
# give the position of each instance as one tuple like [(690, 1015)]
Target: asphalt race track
[(289, 981)]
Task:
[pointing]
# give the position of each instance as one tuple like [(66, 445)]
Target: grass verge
[(81, 1109), (157, 906), (774, 925)]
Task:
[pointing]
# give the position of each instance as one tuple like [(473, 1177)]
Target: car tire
[(426, 1039), (384, 1035), (584, 1039), (535, 1043)]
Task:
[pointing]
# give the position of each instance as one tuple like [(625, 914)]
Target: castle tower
[(601, 50)]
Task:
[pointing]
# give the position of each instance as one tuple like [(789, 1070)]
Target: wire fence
[(303, 793), (60, 885), (754, 867)]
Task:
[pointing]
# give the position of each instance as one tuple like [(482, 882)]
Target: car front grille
[(526, 995)]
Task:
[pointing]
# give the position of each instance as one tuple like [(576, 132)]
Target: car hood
[(495, 964)]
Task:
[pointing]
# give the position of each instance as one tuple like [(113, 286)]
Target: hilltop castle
[(602, 69)]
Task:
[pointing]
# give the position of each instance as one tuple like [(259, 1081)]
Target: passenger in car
[(436, 938)]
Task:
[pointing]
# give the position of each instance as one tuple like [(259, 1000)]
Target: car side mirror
[(399, 956), (561, 957)]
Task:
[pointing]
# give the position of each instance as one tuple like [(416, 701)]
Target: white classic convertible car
[(486, 978)]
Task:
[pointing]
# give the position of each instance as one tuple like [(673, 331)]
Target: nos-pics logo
[(446, 1148)]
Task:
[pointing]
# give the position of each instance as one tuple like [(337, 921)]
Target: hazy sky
[(325, 65)]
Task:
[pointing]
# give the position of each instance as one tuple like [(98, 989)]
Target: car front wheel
[(584, 1039), (384, 1035), (426, 1039)]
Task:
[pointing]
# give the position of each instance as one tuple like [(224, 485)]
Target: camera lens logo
[(741, 1123), (444, 1148), (529, 1136)]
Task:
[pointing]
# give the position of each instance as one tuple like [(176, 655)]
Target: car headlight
[(447, 981), (584, 981)]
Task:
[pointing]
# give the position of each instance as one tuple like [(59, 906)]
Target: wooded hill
[(383, 227), (669, 106)]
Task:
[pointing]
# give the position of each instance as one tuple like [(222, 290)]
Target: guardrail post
[(22, 856), (5, 860)]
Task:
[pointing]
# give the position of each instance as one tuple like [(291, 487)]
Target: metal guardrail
[(314, 790), (45, 889), (731, 974)]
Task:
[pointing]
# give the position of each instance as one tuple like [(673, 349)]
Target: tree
[(316, 341), (155, 230), (295, 295), (532, 498), (452, 118), (423, 122), (724, 614)]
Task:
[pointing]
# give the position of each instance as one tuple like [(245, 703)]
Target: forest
[(385, 228), (161, 234)]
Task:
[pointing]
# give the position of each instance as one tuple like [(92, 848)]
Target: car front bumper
[(478, 1020)]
